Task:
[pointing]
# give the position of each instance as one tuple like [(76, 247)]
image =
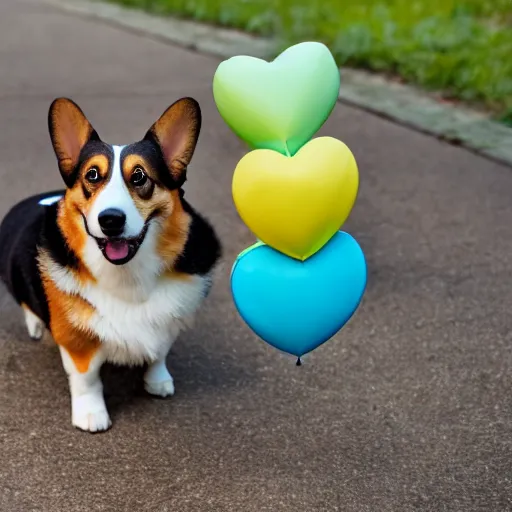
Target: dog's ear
[(70, 131), (176, 133)]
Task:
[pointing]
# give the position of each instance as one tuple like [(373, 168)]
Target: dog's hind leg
[(35, 326)]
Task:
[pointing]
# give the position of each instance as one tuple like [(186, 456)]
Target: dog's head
[(115, 194)]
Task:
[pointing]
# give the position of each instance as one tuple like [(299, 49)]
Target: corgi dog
[(118, 263)]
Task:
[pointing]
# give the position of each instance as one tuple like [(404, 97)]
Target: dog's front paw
[(98, 421), (163, 388), (90, 415)]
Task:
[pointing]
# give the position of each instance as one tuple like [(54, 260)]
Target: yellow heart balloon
[(296, 204)]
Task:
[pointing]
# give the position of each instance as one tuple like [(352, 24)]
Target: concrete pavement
[(407, 409)]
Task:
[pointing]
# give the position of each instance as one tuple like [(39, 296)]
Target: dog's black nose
[(112, 221)]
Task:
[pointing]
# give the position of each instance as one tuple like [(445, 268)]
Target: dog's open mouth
[(121, 250)]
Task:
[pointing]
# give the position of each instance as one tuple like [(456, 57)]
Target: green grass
[(460, 47)]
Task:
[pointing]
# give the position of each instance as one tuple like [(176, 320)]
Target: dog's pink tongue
[(117, 250)]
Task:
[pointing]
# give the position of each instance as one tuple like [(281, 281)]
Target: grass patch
[(460, 47)]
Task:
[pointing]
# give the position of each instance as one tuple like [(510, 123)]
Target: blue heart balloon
[(295, 305)]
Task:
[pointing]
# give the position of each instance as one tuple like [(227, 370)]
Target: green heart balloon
[(281, 104)]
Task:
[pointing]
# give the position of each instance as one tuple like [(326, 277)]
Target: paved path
[(408, 409)]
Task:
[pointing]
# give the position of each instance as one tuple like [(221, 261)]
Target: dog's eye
[(93, 176), (138, 177)]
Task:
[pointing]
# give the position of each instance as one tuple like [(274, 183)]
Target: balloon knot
[(299, 362)]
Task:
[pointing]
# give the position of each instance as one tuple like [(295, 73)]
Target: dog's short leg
[(157, 379), (89, 411), (35, 325)]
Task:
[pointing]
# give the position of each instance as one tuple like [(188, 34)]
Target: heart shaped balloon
[(296, 306), (296, 204), (281, 104)]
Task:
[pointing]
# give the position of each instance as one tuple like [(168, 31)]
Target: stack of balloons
[(304, 278)]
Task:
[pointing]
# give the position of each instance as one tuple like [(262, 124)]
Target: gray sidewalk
[(408, 408)]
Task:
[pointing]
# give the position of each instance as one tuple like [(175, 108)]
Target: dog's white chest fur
[(133, 332), (136, 318)]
